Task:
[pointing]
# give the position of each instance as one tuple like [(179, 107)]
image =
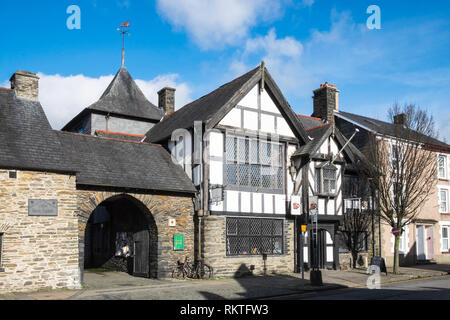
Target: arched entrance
[(121, 235)]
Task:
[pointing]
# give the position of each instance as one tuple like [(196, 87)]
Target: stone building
[(71, 200)]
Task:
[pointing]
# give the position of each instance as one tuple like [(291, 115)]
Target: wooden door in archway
[(141, 263)]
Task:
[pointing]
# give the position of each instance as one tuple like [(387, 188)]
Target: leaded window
[(254, 236), (326, 179), (254, 163)]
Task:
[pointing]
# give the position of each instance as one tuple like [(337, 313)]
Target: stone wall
[(38, 251), (159, 209), (214, 251)]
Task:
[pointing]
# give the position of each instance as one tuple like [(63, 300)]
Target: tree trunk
[(396, 255), (355, 258)]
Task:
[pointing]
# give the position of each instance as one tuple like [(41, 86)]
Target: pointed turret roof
[(124, 97)]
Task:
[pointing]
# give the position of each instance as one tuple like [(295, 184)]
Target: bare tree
[(403, 169), (356, 218)]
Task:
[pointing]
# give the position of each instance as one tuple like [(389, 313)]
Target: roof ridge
[(122, 133), (107, 138)]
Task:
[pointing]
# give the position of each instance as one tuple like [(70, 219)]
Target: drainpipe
[(205, 195)]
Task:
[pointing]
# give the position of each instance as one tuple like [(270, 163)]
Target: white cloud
[(215, 23), (63, 97), (281, 55)]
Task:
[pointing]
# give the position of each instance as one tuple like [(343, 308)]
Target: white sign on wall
[(296, 208), (172, 222), (313, 205)]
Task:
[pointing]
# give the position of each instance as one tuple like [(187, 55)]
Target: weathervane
[(123, 29)]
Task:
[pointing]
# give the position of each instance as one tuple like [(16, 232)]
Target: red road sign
[(395, 231)]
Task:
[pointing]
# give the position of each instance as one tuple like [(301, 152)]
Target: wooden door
[(141, 263)]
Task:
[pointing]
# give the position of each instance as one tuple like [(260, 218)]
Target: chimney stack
[(400, 119), (167, 100), (25, 84), (326, 100)]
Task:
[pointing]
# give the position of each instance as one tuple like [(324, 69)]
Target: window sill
[(445, 252), (443, 179)]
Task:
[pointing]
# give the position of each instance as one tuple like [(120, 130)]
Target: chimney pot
[(25, 84), (166, 100)]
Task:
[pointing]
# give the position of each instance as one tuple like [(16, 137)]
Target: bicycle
[(197, 270)]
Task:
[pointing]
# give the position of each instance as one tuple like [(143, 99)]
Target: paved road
[(426, 289)]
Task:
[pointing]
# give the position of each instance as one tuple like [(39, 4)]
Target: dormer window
[(326, 177)]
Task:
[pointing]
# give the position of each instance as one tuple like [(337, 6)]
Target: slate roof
[(389, 129), (211, 108), (27, 140), (199, 110), (123, 164), (315, 129), (123, 97), (318, 130), (309, 122)]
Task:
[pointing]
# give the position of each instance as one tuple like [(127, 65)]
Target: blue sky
[(197, 45)]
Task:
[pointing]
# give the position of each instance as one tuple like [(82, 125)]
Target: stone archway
[(142, 203), (161, 208)]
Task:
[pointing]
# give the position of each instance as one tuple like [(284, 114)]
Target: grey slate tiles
[(27, 140)]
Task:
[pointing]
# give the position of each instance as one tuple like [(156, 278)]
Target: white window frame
[(445, 176), (446, 190), (446, 225)]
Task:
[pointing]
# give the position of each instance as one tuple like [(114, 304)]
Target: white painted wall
[(250, 118), (267, 103), (251, 99)]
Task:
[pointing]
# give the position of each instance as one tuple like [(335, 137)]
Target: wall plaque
[(40, 207)]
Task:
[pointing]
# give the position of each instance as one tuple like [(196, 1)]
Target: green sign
[(178, 242)]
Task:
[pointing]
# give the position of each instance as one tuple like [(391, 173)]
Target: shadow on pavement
[(254, 286)]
